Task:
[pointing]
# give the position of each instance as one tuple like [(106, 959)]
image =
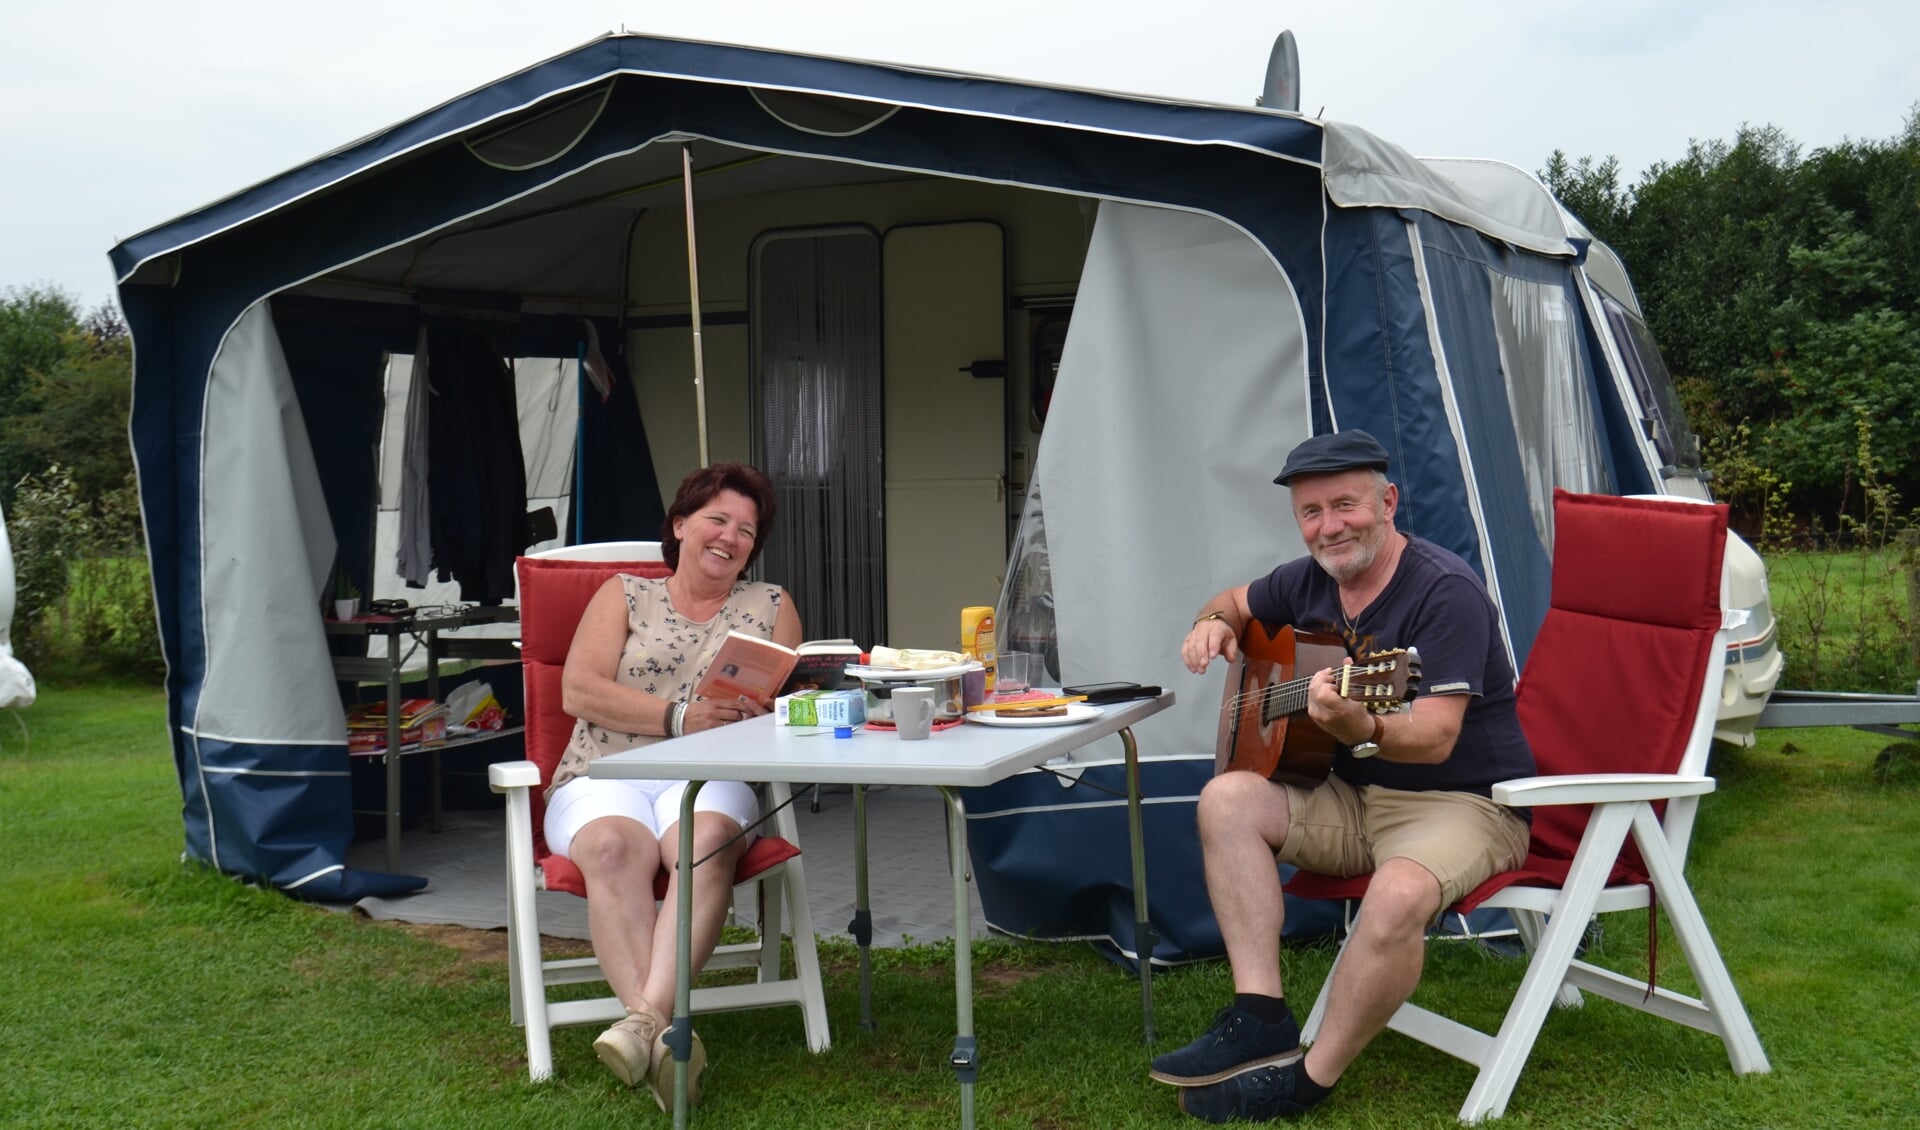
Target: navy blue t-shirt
[(1437, 604)]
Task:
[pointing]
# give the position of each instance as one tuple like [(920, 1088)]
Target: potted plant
[(346, 596)]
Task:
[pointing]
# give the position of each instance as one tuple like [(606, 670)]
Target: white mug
[(913, 713)]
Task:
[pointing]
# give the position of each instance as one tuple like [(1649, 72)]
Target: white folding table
[(964, 756)]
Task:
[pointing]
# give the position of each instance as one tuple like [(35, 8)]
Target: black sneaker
[(1255, 1096), (1236, 1042)]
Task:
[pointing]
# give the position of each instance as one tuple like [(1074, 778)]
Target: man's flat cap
[(1328, 454)]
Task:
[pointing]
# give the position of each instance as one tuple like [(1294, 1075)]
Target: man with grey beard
[(1409, 798)]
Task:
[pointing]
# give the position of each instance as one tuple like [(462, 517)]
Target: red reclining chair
[(554, 591), (1618, 701)]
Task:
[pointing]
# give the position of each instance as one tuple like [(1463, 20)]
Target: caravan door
[(945, 302)]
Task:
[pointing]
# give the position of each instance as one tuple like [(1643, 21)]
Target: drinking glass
[(1010, 673)]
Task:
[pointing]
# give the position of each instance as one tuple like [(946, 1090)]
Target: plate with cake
[(1035, 711)]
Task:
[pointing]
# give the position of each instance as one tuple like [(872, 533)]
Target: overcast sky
[(116, 116)]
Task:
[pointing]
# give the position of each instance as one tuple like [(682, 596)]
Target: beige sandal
[(627, 1047), (660, 1080)]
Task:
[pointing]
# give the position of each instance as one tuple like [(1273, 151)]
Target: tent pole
[(693, 292), (580, 444)]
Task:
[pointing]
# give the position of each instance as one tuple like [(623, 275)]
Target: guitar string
[(1297, 690), (1278, 690), (1282, 690), (1360, 671), (1374, 704)]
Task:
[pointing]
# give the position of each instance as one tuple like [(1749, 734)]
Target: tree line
[(84, 602), (1782, 287)]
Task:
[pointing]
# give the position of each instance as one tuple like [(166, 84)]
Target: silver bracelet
[(676, 718)]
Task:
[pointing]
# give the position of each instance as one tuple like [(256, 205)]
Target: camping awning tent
[(1253, 277)]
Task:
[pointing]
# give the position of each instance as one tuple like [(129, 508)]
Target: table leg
[(680, 1036), (433, 695), (966, 1050), (433, 759), (862, 925), (393, 758), (1143, 939)]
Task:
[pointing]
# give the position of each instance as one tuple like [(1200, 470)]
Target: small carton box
[(821, 708)]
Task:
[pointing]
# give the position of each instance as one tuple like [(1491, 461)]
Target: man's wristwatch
[(1372, 745)]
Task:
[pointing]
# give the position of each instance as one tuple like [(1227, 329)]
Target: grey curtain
[(816, 348)]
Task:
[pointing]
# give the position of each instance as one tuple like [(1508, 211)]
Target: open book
[(750, 667)]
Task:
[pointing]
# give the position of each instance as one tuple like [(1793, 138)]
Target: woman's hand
[(710, 713)]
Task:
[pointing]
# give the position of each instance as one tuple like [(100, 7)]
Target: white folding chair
[(554, 591), (1618, 701)]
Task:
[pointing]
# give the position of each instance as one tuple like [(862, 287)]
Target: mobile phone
[(1112, 692)]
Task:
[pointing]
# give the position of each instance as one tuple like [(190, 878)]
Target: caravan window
[(1660, 413), (1549, 394)]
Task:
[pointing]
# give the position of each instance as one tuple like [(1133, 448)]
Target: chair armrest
[(1597, 788), (505, 775)]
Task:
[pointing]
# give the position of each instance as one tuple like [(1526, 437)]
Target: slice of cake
[(1055, 711), (1032, 704)]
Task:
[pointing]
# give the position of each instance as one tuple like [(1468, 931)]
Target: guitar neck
[(1290, 697)]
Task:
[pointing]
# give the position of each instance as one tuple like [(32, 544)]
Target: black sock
[(1306, 1092), (1266, 1009)]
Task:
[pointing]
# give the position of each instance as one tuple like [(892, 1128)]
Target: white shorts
[(655, 804)]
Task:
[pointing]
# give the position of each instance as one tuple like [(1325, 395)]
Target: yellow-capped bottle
[(976, 637)]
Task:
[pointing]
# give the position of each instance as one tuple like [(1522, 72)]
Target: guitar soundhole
[(1275, 702)]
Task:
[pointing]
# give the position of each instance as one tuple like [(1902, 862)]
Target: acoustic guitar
[(1264, 726)]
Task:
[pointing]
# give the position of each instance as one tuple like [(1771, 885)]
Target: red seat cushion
[(554, 594), (766, 853), (1612, 682)]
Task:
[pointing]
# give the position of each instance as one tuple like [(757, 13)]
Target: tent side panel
[(1463, 303), (282, 812), (263, 737), (1627, 444), (165, 414), (268, 549), (1182, 386), (1382, 377)]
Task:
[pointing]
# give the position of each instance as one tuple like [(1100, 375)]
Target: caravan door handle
[(986, 370)]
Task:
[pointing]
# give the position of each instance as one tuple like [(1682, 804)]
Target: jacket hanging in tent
[(476, 481)]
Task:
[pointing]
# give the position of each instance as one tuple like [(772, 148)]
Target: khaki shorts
[(1345, 830)]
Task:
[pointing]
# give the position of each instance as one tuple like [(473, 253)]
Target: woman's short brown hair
[(700, 488)]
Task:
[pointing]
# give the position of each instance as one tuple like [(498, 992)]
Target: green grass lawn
[(1845, 620), (140, 991)]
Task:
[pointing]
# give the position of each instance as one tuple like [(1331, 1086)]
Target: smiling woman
[(630, 678)]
